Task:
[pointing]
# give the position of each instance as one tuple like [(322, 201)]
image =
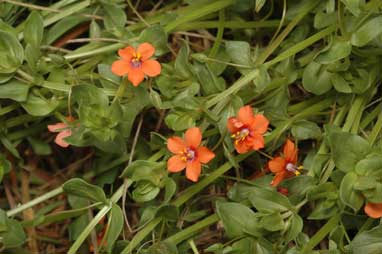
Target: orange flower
[(63, 132), (136, 63), (285, 166), (248, 129), (188, 154), (373, 210)]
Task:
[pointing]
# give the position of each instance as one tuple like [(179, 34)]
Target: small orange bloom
[(373, 210), (63, 132), (188, 154), (136, 63), (285, 166), (248, 130)]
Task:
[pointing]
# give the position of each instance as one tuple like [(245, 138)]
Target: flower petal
[(242, 147), (136, 76), (205, 154), (373, 210), (245, 115), (277, 164), (278, 178), (256, 141), (259, 124), (146, 50), (193, 170), (193, 137), (57, 127), (176, 145), (120, 67), (126, 53), (59, 140), (176, 164), (234, 125), (290, 151), (151, 68)]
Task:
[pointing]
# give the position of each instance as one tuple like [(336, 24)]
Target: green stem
[(35, 201), (219, 35), (193, 246), (198, 13), (192, 230), (376, 130), (321, 234), (274, 45), (104, 210), (226, 24)]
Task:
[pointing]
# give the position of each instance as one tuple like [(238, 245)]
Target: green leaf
[(238, 219), (338, 50), (240, 53), (155, 35), (316, 79), (115, 226), (347, 149), (89, 95), (340, 84), (295, 227), (259, 5), (12, 234), (34, 30), (179, 121), (145, 170), (170, 189), (77, 226), (145, 191), (40, 147), (368, 31), (303, 129), (368, 242), (37, 106), (5, 166), (182, 65), (348, 194), (62, 26), (79, 187), (115, 16), (266, 200), (14, 90), (272, 222), (11, 53)]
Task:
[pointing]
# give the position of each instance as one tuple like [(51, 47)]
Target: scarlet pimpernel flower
[(63, 130), (136, 63), (188, 154), (373, 210), (285, 166), (247, 130)]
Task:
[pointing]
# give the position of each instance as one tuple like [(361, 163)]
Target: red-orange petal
[(193, 137), (234, 125), (242, 147), (151, 68), (205, 154), (175, 145), (59, 140), (57, 127), (373, 210), (278, 178), (136, 76), (176, 164), (290, 151), (126, 53), (260, 124), (146, 50), (277, 164), (193, 170), (257, 142), (120, 67), (245, 115)]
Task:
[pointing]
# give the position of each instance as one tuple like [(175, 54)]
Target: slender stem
[(320, 235), (35, 201), (193, 246), (192, 230), (219, 35), (137, 13), (227, 24)]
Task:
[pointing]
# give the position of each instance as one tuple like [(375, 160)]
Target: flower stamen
[(188, 154), (294, 169), (240, 136)]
